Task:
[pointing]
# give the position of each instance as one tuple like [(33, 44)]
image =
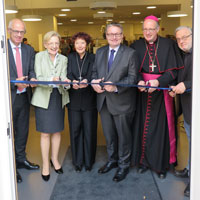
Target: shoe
[(27, 165), (45, 177), (181, 173), (120, 174), (107, 167), (88, 169), (162, 174), (187, 190), (19, 178), (78, 168), (142, 169), (58, 171)]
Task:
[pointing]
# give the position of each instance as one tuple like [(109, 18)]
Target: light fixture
[(62, 15), (121, 22), (136, 13), (90, 22), (103, 15), (31, 18), (101, 12), (59, 23), (11, 9), (151, 7), (73, 20), (109, 20), (66, 9), (177, 13)]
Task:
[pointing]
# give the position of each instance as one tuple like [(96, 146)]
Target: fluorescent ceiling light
[(101, 12), (59, 23), (62, 15), (66, 9), (11, 9), (121, 22), (177, 13), (151, 7), (90, 22), (31, 18), (109, 20), (73, 20), (136, 13)]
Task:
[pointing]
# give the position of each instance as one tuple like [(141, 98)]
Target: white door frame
[(8, 190)]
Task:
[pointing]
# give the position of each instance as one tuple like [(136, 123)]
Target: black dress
[(82, 112)]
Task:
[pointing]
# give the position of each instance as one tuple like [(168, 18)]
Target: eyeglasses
[(18, 32), (113, 35), (184, 38), (151, 30), (53, 44)]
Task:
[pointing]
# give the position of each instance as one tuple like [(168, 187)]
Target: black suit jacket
[(85, 98), (124, 70), (28, 57)]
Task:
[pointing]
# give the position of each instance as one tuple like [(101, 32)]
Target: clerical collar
[(152, 42)]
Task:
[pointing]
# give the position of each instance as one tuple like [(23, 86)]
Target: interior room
[(68, 17)]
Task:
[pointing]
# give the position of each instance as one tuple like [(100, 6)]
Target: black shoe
[(27, 165), (78, 168), (88, 169), (19, 178), (45, 177), (107, 167), (120, 174), (142, 169), (58, 171), (181, 173), (162, 175), (187, 190)]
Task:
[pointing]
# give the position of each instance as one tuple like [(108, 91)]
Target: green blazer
[(45, 71)]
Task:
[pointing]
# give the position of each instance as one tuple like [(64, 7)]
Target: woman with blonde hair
[(50, 101)]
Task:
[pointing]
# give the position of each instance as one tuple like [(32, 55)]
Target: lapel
[(11, 59), (24, 59), (117, 58), (105, 62)]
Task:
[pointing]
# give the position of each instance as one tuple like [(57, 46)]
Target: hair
[(49, 35), (157, 24), (183, 27), (11, 22), (81, 35), (114, 24), (24, 40)]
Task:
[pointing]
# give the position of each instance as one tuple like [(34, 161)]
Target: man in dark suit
[(184, 40), (21, 67), (116, 63)]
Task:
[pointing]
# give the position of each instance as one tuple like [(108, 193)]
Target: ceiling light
[(159, 18), (109, 20), (31, 18), (62, 15), (66, 9), (90, 22), (11, 9), (121, 22), (136, 13), (101, 12), (73, 20), (177, 13), (59, 23), (151, 7), (103, 15)]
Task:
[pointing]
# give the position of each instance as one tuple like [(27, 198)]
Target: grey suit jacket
[(28, 57), (124, 70)]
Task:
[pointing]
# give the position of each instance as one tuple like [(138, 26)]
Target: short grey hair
[(49, 35), (183, 27), (12, 21), (114, 24)]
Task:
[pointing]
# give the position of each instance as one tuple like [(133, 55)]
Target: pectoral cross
[(152, 67)]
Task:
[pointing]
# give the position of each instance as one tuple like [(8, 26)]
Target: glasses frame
[(184, 38), (17, 32)]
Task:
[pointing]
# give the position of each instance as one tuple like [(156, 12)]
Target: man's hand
[(154, 83), (83, 85), (67, 81), (33, 85), (142, 89), (97, 87), (171, 92), (21, 85), (179, 88), (76, 85), (110, 88)]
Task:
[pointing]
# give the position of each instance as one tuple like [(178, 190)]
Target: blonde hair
[(49, 35)]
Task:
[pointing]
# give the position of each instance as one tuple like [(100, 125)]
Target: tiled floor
[(34, 188)]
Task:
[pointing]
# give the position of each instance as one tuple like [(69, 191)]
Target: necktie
[(111, 58), (19, 65)]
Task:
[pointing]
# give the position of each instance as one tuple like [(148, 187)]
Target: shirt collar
[(13, 46), (116, 48)]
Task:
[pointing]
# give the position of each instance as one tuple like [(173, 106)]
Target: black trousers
[(83, 136), (20, 111), (117, 130)]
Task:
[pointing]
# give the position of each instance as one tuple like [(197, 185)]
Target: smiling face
[(16, 31), (150, 30), (80, 46), (114, 36), (52, 45), (184, 39)]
